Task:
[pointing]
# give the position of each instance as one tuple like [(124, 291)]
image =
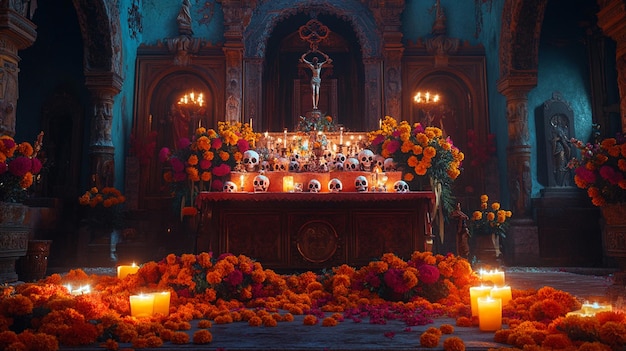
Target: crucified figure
[(316, 68)]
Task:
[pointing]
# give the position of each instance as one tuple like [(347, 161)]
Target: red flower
[(234, 278), (36, 167), (428, 274), (216, 143), (243, 145), (221, 170), (20, 166)]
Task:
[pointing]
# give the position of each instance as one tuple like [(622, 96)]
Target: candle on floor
[(503, 293), (161, 303), (593, 308), (123, 271), (489, 313), (496, 277), (141, 305), (288, 184), (83, 289), (475, 293)]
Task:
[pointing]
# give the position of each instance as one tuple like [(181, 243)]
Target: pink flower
[(234, 278), (205, 164), (428, 274), (221, 170), (610, 174), (8, 143), (20, 166), (378, 140), (36, 167), (243, 145), (183, 143), (217, 185), (180, 176), (177, 165), (393, 279), (164, 154), (216, 143), (586, 175), (393, 146), (372, 279), (418, 129)]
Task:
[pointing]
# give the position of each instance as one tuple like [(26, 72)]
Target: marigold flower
[(430, 340), (453, 343), (310, 320), (180, 337), (202, 337)]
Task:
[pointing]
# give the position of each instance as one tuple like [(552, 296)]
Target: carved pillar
[(252, 87), (515, 88), (373, 92), (16, 33), (393, 49), (103, 87), (236, 16), (612, 20)]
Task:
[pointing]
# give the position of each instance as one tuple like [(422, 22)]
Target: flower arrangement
[(601, 170), (45, 316), (490, 219), (18, 166), (315, 123), (202, 163), (423, 154), (104, 208)]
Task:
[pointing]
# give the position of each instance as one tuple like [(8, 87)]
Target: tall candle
[(341, 136), (503, 293), (161, 303), (489, 313), (241, 184), (475, 293), (496, 277), (123, 271), (141, 305), (285, 138), (288, 184), (250, 123)]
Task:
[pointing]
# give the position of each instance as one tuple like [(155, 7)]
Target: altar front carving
[(314, 230)]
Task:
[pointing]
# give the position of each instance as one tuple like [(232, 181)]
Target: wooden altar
[(294, 231)]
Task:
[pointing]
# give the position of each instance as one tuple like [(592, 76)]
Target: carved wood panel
[(375, 234), (255, 234)]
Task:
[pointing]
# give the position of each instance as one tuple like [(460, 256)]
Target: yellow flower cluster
[(107, 197), (490, 218)]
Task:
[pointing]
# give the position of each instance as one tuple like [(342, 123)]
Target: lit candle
[(501, 292), (123, 271), (141, 305), (287, 184), (341, 136), (285, 138), (489, 313), (250, 123), (83, 289), (593, 308), (241, 185), (380, 124), (161, 303), (496, 277), (475, 293)]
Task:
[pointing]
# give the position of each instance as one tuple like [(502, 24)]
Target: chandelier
[(191, 99), (426, 98)]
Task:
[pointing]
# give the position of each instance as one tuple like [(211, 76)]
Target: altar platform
[(584, 283)]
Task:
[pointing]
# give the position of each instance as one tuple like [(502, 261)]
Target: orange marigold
[(446, 328), (310, 320), (556, 341), (429, 339), (180, 337), (329, 322), (453, 343), (202, 337), (255, 321)]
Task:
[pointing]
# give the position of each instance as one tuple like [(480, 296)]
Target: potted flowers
[(18, 166), (601, 170), (490, 223)]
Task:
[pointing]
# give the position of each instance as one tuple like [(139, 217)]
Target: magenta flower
[(243, 145), (180, 176), (378, 140), (234, 278), (586, 175), (177, 165), (393, 146), (164, 154), (221, 170), (36, 167), (608, 173), (216, 143), (428, 274), (205, 164), (183, 143), (217, 185), (20, 166)]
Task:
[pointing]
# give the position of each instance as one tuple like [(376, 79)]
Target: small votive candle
[(593, 308), (287, 184), (123, 271), (83, 289), (161, 303), (141, 305), (475, 293), (496, 277), (489, 313), (503, 293)]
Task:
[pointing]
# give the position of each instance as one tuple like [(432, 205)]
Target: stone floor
[(585, 284)]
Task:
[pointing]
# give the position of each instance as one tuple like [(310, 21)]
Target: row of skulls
[(261, 183), (365, 160)]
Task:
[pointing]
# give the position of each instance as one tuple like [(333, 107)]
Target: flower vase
[(614, 233), (34, 264), (13, 239), (485, 248)]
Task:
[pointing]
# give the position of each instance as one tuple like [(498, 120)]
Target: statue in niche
[(184, 19), (561, 149), (316, 68), (180, 124)]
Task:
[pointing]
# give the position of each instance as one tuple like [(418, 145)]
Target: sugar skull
[(261, 183), (315, 186), (335, 185), (360, 183), (251, 160), (230, 187), (401, 186)]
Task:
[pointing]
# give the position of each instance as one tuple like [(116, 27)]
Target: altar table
[(304, 230)]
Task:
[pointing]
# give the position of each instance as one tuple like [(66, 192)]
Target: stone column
[(522, 236), (103, 87), (612, 20), (373, 92), (253, 87), (16, 33)]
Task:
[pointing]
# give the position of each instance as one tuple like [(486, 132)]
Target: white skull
[(323, 167), (295, 157), (294, 166), (229, 187), (251, 160), (339, 157), (261, 183), (351, 164), (315, 186), (338, 166), (360, 183), (328, 156), (401, 186), (282, 164), (335, 185), (379, 162), (390, 165), (265, 166), (366, 157)]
